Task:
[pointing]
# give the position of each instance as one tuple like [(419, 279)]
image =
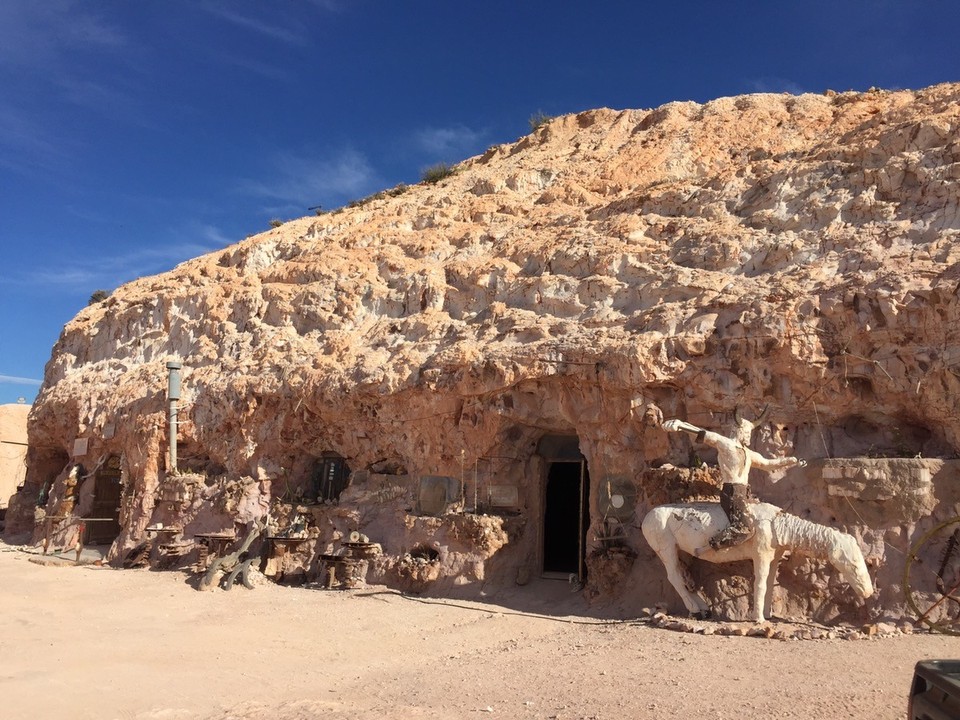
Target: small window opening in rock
[(861, 386), (513, 433), (388, 467), (331, 476), (191, 459), (422, 552)]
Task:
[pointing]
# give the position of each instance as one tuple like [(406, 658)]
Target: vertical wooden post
[(81, 531), (47, 525)]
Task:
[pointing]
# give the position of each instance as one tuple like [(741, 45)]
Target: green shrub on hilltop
[(539, 119), (436, 173)]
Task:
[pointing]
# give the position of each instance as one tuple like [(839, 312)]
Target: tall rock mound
[(541, 308)]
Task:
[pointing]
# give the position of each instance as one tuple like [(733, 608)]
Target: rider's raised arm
[(765, 463), (677, 425), (703, 436)]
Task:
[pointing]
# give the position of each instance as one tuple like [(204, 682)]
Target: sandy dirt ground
[(90, 642)]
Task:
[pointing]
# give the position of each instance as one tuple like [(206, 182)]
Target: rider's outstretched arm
[(677, 425), (765, 463), (703, 436)]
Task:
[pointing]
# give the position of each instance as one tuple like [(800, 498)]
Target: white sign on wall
[(80, 447)]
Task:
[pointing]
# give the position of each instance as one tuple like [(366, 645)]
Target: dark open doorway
[(106, 504), (566, 517), (330, 478)]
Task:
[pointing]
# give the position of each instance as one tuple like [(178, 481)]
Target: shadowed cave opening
[(566, 518)]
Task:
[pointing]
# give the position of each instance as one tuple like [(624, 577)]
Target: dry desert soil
[(95, 642)]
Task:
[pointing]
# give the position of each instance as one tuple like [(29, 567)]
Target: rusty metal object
[(932, 611), (279, 547), (348, 568)]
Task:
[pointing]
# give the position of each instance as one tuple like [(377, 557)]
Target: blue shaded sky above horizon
[(135, 135)]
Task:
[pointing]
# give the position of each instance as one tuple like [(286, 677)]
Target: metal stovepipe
[(173, 395)]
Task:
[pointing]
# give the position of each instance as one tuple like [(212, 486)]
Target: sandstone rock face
[(519, 326), (13, 450)]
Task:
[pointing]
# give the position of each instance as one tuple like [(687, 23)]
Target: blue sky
[(136, 134)]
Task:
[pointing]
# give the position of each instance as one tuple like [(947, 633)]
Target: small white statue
[(735, 459)]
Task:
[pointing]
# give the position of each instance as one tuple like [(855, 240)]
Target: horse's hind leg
[(771, 583), (763, 563), (671, 562)]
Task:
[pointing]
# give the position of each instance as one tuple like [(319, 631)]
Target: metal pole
[(173, 395)]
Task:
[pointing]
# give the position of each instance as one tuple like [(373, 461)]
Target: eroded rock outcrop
[(799, 252)]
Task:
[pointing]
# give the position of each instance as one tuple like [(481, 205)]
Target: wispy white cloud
[(773, 84), (24, 144), (328, 5), (14, 380), (110, 270), (115, 102), (263, 69), (40, 34), (299, 182), (281, 33), (52, 46), (145, 261), (447, 142), (70, 276), (214, 236), (86, 93)]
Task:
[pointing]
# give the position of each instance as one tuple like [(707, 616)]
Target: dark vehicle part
[(935, 693)]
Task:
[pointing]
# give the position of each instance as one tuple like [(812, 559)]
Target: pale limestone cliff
[(13, 450), (799, 252)]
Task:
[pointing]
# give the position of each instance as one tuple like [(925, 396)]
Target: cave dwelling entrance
[(566, 507), (104, 524)]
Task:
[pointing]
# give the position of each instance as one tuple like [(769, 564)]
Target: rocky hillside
[(796, 251), (765, 248)]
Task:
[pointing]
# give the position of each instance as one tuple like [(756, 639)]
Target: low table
[(162, 545), (279, 547), (212, 545)]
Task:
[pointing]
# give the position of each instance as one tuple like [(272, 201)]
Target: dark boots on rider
[(733, 499)]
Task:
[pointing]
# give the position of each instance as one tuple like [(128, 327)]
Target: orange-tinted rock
[(799, 252)]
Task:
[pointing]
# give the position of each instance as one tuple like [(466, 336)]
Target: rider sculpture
[(735, 459)]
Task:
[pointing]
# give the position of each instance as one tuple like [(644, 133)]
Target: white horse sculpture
[(688, 526)]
